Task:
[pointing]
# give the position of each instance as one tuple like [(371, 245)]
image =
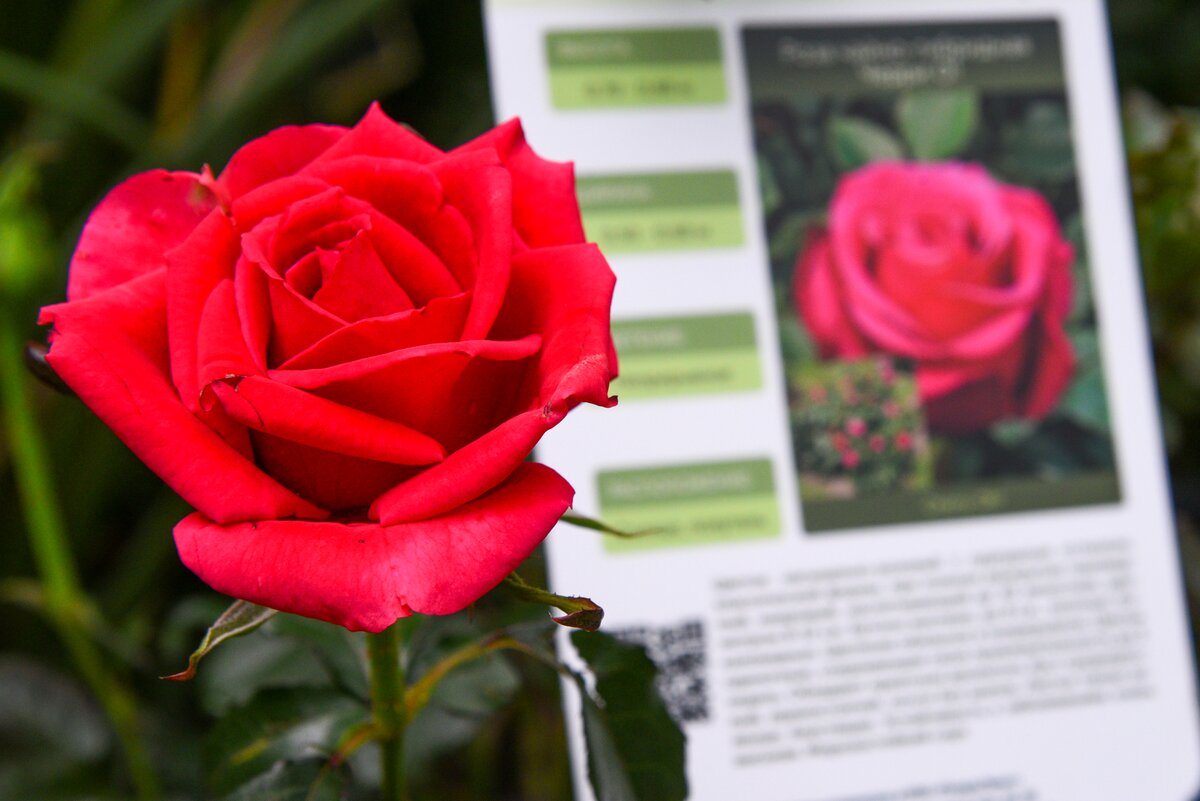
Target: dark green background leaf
[(278, 725), (636, 751)]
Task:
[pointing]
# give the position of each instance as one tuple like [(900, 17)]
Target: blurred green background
[(93, 90)]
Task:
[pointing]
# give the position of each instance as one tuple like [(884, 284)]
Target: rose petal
[(274, 198), (563, 292), (441, 320), (205, 259), (321, 221), (111, 349), (355, 370), (466, 473), (336, 481), (299, 416), (415, 268), (135, 224), (222, 351), (250, 285), (278, 154), (481, 189), (355, 284), (296, 322), (450, 392), (377, 134), (390, 184), (411, 195), (365, 576), (818, 299), (545, 208)]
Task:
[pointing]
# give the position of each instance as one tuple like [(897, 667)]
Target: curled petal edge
[(365, 576)]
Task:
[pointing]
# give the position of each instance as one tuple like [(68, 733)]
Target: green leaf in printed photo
[(937, 124), (856, 142)]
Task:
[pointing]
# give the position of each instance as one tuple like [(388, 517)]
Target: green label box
[(661, 211), (674, 356), (635, 67), (696, 504)]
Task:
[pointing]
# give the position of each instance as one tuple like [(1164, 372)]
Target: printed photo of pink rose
[(928, 249), (967, 278), (341, 350)]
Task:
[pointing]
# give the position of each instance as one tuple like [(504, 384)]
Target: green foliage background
[(93, 90)]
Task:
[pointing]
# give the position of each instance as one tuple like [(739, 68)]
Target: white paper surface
[(992, 614)]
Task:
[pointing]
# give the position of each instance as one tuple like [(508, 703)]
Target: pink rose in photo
[(966, 277)]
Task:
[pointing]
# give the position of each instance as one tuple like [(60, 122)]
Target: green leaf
[(1039, 148), (855, 142), (340, 652), (52, 734), (239, 619), (277, 726), (635, 749), (604, 528), (938, 124), (304, 780), (772, 197), (463, 702), (581, 613), (1085, 403)]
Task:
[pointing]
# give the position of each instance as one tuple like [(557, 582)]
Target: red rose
[(968, 278), (340, 351)]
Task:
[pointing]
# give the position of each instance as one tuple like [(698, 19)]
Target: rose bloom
[(903, 441), (855, 427), (968, 278), (850, 459), (340, 351)]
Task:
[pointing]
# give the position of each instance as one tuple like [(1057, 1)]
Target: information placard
[(886, 400)]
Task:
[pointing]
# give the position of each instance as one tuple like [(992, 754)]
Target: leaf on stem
[(635, 748), (581, 613), (605, 528), (239, 619)]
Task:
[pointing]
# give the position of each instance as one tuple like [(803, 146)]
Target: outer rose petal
[(818, 298), (111, 349), (364, 576), (564, 292), (545, 209), (280, 153), (136, 223), (377, 134)]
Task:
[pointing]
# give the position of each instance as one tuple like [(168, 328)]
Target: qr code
[(678, 652)]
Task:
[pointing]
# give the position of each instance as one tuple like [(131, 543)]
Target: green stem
[(388, 708), (65, 600)]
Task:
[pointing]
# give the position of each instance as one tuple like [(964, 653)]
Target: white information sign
[(886, 406)]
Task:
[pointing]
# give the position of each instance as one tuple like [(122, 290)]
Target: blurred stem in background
[(62, 598)]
